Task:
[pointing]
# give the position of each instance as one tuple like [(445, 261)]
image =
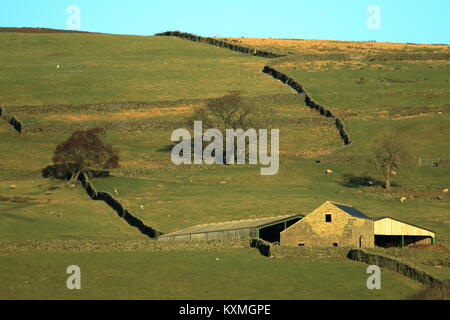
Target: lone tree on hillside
[(229, 112), (389, 154), (85, 150)]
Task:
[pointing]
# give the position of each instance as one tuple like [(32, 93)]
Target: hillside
[(142, 88)]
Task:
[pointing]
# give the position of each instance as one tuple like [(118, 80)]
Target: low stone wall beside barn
[(115, 245), (393, 265)]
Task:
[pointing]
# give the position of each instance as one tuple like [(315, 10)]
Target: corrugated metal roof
[(233, 225), (351, 211)]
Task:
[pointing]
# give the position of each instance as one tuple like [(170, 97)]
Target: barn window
[(301, 244), (328, 218), (335, 244)]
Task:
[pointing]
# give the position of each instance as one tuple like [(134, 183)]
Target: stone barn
[(332, 224), (335, 224)]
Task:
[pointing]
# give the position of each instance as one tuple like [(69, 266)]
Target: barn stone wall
[(343, 230)]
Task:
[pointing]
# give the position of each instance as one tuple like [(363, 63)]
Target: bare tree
[(389, 155), (229, 112), (85, 150)]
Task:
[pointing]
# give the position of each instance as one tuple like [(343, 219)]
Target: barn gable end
[(331, 224)]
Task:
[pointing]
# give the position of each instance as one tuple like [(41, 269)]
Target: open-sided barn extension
[(335, 224), (390, 232), (265, 228)]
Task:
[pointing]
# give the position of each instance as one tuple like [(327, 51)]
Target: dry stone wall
[(117, 206), (12, 120), (309, 101), (392, 265), (221, 43)]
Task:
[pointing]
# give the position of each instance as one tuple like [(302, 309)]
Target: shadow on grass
[(60, 172), (352, 181), (166, 148)]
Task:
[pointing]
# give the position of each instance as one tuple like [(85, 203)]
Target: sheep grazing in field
[(445, 190), (394, 173), (402, 199), (328, 171), (57, 67), (12, 187)]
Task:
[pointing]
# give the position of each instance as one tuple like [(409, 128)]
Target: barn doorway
[(272, 233), (361, 241), (401, 241)]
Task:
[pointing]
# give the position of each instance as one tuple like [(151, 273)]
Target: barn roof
[(234, 225), (350, 210)]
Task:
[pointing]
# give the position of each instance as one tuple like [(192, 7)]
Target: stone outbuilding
[(336, 224), (332, 224)]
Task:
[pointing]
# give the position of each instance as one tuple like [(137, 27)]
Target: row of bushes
[(11, 120), (220, 43), (114, 204), (309, 101), (393, 265)]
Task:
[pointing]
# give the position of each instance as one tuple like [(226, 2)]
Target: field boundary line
[(221, 44), (117, 206)]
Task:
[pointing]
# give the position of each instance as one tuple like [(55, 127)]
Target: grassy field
[(142, 88), (295, 47), (106, 68), (225, 274)]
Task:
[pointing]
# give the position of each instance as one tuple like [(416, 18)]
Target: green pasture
[(155, 84), (223, 274)]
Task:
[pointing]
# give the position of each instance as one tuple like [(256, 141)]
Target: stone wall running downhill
[(393, 265), (309, 101), (17, 125), (221, 43), (117, 206)]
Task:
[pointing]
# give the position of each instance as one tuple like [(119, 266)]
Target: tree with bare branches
[(390, 154), (229, 112)]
